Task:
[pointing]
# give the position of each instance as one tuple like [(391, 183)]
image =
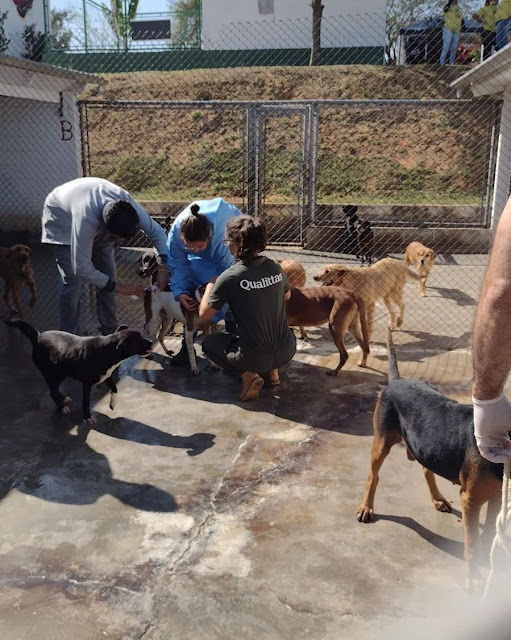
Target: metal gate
[(410, 163)]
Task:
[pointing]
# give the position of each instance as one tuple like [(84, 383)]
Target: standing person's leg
[(446, 43), (454, 47), (103, 258), (69, 292), (502, 31)]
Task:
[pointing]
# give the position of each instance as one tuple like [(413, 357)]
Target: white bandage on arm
[(492, 422)]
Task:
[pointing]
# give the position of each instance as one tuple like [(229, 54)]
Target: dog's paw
[(113, 401), (89, 421), (65, 411), (442, 505), (332, 373), (195, 371), (399, 322), (362, 364), (364, 513)]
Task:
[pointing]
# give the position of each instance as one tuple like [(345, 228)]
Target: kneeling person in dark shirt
[(255, 288)]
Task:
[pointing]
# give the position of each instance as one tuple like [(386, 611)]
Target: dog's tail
[(393, 369), (363, 321), (31, 332)]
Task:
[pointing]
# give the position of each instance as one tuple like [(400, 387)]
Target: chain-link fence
[(239, 114)]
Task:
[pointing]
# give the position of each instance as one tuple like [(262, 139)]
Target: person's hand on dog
[(492, 423), (163, 277), (190, 304), (135, 289)]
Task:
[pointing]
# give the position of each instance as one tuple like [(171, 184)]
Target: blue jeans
[(103, 258), (450, 41), (502, 32)]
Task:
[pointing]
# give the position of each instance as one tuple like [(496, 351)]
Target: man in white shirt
[(82, 219)]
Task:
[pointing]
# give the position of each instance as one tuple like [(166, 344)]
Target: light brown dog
[(383, 280), (16, 269), (340, 308), (423, 259), (296, 277)]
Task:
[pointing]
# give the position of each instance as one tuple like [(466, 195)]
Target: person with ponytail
[(453, 20), (255, 288), (197, 254), (503, 23)]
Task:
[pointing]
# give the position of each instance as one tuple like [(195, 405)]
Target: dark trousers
[(489, 43), (225, 351)]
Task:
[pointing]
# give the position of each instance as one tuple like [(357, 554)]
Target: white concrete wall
[(236, 24), (34, 157), (15, 23)]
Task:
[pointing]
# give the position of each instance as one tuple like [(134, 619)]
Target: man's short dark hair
[(121, 219)]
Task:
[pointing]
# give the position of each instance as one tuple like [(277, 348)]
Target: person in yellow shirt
[(486, 16), (453, 19), (503, 21)]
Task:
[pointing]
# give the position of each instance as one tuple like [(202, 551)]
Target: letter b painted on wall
[(66, 130)]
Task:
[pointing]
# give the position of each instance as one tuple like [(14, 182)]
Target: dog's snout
[(317, 278), (423, 262)]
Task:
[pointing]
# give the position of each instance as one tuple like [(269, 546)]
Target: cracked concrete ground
[(186, 514)]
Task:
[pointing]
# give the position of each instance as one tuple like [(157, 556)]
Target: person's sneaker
[(251, 384), (271, 379), (181, 359)]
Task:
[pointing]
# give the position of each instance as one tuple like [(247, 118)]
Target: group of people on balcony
[(495, 17)]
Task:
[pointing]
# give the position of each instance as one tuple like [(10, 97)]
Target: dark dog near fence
[(59, 355), (439, 433), (365, 242), (350, 226), (16, 269)]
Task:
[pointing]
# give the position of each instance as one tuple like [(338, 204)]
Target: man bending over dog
[(82, 219), (492, 350), (255, 288)]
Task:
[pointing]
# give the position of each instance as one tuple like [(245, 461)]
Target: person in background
[(486, 17), (351, 228), (491, 349), (255, 288), (453, 20), (197, 253), (503, 23), (81, 220)]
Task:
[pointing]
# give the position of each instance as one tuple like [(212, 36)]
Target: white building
[(39, 137), (287, 24), (21, 13)]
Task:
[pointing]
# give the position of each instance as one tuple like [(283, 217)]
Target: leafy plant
[(4, 40), (60, 31), (34, 43)]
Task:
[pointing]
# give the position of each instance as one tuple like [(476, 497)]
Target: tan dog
[(340, 308), (423, 259), (296, 277), (16, 269), (383, 280)]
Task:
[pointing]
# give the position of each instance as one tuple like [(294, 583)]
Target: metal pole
[(85, 24)]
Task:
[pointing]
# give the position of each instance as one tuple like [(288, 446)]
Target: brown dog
[(340, 308), (383, 280), (16, 269), (423, 259), (296, 277), (439, 433)]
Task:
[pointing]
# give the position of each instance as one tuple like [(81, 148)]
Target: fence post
[(503, 168)]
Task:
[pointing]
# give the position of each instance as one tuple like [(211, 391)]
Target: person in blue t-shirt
[(197, 254)]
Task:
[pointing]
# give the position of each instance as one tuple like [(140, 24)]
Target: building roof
[(490, 77), (23, 64)]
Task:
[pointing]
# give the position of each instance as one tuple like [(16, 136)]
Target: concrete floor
[(186, 514)]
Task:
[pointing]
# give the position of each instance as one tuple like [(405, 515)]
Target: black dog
[(148, 265), (350, 226), (365, 241), (59, 355), (439, 433)]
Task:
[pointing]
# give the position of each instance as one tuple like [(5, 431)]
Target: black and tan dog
[(16, 269), (439, 433), (148, 265), (342, 309), (59, 355)]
